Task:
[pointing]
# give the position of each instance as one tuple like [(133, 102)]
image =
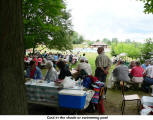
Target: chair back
[(101, 93), (122, 87)]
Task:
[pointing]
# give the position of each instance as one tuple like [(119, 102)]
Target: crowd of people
[(134, 73), (57, 65)]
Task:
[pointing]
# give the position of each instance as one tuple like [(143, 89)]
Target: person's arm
[(96, 62), (131, 72), (145, 72), (109, 65)]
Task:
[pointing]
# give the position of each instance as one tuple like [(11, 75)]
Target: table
[(43, 93)]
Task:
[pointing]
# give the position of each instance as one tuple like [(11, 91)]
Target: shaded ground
[(112, 106)]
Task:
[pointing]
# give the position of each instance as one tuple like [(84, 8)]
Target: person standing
[(103, 64)]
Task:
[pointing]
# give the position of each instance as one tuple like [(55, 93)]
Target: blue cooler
[(72, 98)]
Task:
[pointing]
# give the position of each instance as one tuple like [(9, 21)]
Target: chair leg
[(122, 108)]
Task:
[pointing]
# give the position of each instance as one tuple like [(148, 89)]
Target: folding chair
[(133, 97)]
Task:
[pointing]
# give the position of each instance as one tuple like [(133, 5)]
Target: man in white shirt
[(89, 67), (84, 66), (149, 78), (83, 57)]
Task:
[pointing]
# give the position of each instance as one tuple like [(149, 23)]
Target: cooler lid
[(72, 92)]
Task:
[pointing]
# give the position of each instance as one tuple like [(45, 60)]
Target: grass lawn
[(112, 104)]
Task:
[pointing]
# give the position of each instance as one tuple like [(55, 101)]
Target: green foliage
[(46, 22), (127, 41), (97, 40), (147, 49), (106, 41), (131, 49), (77, 39), (115, 40), (90, 42), (148, 6)]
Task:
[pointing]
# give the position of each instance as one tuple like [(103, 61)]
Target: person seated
[(132, 64), (51, 74), (137, 73), (34, 71), (146, 64), (25, 58), (39, 61), (66, 64), (83, 57), (121, 72), (148, 80), (84, 66), (63, 70), (44, 60), (89, 70), (35, 59), (30, 58)]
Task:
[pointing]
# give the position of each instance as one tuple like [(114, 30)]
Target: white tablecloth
[(48, 92)]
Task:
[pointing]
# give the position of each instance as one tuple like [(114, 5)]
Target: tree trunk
[(12, 88), (33, 50)]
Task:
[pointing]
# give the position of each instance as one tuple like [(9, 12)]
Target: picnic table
[(43, 93)]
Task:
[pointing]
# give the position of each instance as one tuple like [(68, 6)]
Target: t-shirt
[(40, 60), (35, 59), (144, 66), (137, 71), (149, 71)]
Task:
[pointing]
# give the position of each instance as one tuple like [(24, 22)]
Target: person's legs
[(99, 73), (146, 83)]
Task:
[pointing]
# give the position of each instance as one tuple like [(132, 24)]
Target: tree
[(147, 49), (81, 39), (12, 88), (77, 39), (115, 40), (90, 42), (106, 41), (129, 48), (127, 41), (46, 22), (148, 6), (98, 40)]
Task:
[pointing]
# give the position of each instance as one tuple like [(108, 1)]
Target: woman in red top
[(137, 73), (35, 59)]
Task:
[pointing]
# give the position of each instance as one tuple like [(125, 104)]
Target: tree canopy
[(77, 39), (148, 6), (133, 50), (47, 22), (147, 49)]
